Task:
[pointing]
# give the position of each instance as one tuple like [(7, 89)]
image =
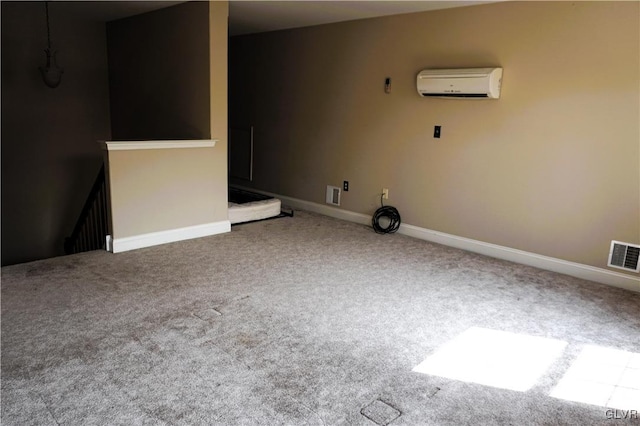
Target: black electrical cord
[(392, 215)]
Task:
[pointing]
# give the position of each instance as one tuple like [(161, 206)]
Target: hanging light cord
[(392, 215), (46, 8)]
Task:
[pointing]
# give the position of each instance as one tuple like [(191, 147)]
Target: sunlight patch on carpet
[(602, 376), (494, 358)]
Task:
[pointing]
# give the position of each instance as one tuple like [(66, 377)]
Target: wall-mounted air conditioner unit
[(483, 83)]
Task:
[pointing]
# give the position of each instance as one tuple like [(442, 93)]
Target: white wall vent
[(333, 195), (624, 256)]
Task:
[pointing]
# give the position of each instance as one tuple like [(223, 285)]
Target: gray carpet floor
[(307, 321)]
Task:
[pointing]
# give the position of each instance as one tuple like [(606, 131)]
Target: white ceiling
[(105, 11), (250, 16)]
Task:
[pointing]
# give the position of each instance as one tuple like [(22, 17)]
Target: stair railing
[(91, 228)]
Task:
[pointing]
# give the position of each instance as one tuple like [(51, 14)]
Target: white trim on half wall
[(160, 144), (119, 245)]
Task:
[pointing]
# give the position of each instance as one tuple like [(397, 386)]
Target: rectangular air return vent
[(624, 256), (333, 195)]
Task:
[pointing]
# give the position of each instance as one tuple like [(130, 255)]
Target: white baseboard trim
[(573, 269), (553, 264), (119, 245)]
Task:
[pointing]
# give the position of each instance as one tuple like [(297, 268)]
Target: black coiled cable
[(391, 213)]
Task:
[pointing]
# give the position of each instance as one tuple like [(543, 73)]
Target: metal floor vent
[(624, 256), (333, 195), (380, 412)]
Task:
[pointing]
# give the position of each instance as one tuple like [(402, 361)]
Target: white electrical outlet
[(385, 193)]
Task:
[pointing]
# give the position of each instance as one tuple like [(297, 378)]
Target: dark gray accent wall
[(159, 74), (50, 153)]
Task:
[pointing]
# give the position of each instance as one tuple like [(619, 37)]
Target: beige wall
[(159, 74), (553, 167), (218, 46), (50, 154), (166, 189), (155, 190)]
